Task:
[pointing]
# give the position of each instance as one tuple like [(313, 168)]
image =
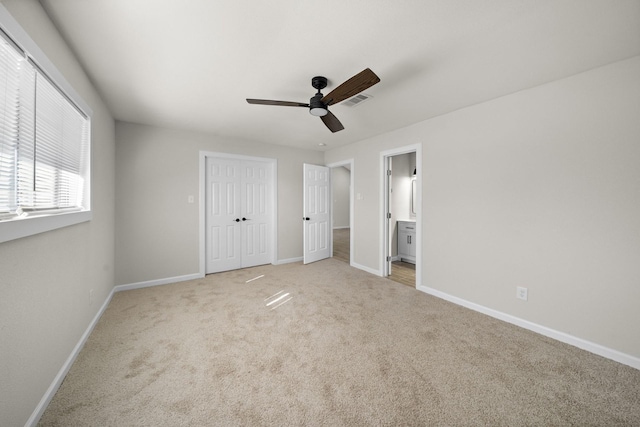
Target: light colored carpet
[(347, 348)]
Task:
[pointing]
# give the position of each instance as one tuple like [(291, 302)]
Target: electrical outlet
[(521, 293)]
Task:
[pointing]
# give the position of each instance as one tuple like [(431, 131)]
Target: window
[(44, 143)]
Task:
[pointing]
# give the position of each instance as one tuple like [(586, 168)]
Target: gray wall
[(45, 279), (536, 189), (157, 169)]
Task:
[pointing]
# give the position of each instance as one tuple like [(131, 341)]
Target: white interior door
[(257, 214), (316, 212), (222, 215)]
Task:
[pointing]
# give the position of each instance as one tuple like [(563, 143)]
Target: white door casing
[(238, 214), (384, 203), (316, 213)]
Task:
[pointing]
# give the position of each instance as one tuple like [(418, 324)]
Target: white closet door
[(316, 212), (256, 213), (223, 219), (239, 214)]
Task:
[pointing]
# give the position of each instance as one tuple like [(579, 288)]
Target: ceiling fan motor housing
[(316, 101)]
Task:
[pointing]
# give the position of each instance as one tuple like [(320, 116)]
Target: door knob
[(237, 220), (306, 218), (245, 219)]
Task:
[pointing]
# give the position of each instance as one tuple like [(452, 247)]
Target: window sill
[(18, 228)]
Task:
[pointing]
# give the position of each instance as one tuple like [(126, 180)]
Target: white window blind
[(44, 142), (17, 86)]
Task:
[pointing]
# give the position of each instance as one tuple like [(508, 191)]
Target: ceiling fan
[(319, 103)]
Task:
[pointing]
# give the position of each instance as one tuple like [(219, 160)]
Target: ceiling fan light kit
[(318, 111), (318, 104)]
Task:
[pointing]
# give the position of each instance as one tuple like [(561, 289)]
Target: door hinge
[(389, 172), (389, 215), (388, 259)]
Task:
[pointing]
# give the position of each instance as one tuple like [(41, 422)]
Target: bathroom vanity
[(406, 241)]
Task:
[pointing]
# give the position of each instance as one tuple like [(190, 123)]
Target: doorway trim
[(384, 200), (350, 163), (202, 205)]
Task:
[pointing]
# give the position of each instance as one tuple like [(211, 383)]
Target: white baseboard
[(589, 346), (157, 282), (365, 268), (340, 227), (288, 260), (57, 381)]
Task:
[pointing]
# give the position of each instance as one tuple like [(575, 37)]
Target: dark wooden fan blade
[(280, 103), (332, 122), (356, 84)]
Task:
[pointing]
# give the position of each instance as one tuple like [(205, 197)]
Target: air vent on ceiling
[(356, 100)]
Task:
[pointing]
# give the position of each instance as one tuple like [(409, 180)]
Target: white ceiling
[(190, 64)]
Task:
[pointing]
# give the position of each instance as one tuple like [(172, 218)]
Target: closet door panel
[(256, 213), (223, 232)]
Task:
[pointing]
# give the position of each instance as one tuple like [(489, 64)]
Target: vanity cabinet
[(407, 241)]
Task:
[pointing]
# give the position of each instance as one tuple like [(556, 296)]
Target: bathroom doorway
[(401, 216)]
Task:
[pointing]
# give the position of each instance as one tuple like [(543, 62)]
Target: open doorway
[(341, 208), (401, 216)]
